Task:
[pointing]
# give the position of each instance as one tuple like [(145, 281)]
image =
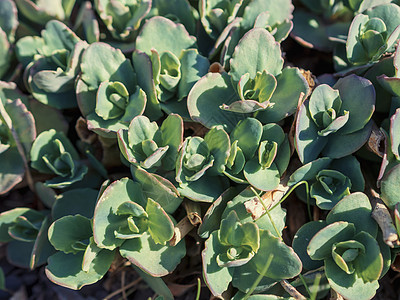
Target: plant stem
[(181, 230), (259, 278)]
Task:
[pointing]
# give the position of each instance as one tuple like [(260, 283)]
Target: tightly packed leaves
[(169, 133)]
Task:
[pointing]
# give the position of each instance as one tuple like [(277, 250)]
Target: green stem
[(305, 284), (198, 289), (260, 277), (317, 280)]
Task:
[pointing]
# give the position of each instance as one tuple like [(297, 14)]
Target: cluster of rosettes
[(194, 101)]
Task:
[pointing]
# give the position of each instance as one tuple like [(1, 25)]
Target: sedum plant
[(259, 154), (17, 132), (158, 136), (329, 180), (52, 153), (122, 18), (255, 86), (150, 146), (41, 11), (25, 232), (345, 244), (372, 34), (52, 64), (335, 121), (241, 244), (176, 63), (107, 91), (200, 164), (138, 226)]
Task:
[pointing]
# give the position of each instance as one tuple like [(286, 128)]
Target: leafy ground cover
[(234, 149)]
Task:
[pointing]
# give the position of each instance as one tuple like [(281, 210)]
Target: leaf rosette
[(107, 90), (329, 180), (240, 243), (150, 146), (200, 162), (78, 261), (53, 153), (122, 18), (25, 231), (41, 12), (226, 22), (176, 63), (347, 246), (372, 34), (52, 64), (335, 121), (255, 86), (259, 154), (139, 226)]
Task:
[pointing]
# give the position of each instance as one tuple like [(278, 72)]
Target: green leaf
[(206, 97), (157, 188), (216, 278), (219, 145), (320, 246), (285, 264), (101, 62), (301, 240), (257, 51), (212, 218), (70, 234), (161, 227), (193, 67), (163, 35), (307, 141), (368, 264), (248, 133), (264, 179), (356, 209), (343, 145), (291, 85), (358, 98), (70, 203), (390, 194), (309, 171), (155, 259), (349, 285), (106, 220), (66, 269)]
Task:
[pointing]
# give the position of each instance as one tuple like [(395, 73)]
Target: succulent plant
[(372, 34), (259, 154), (255, 86), (25, 231), (238, 250), (17, 132), (52, 64), (41, 12), (347, 247), (329, 180), (53, 153), (122, 18), (335, 121), (139, 226), (176, 63), (149, 146), (107, 91), (200, 162)]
